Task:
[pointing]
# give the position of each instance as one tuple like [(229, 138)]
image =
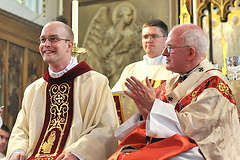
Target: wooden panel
[(16, 54), (2, 71), (35, 63), (19, 31), (20, 60)]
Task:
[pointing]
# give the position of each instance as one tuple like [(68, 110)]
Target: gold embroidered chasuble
[(94, 119), (58, 117)]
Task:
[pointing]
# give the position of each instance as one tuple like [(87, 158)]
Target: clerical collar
[(184, 76), (72, 64), (154, 61)]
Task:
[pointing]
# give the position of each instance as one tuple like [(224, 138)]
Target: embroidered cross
[(170, 99), (59, 98), (201, 69)]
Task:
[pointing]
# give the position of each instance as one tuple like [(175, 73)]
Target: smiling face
[(56, 54), (152, 41)]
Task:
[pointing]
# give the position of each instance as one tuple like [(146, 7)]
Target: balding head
[(68, 31), (56, 45), (187, 45), (193, 36)]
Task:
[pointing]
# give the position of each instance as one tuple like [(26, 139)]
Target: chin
[(47, 60), (168, 67)]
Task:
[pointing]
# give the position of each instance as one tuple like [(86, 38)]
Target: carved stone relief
[(113, 44)]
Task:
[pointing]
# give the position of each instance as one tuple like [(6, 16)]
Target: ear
[(192, 54), (70, 45)]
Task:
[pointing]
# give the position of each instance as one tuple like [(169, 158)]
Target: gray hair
[(194, 36)]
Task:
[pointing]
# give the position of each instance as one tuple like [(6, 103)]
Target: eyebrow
[(53, 35), (151, 34)]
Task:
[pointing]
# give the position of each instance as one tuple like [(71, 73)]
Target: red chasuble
[(136, 147), (59, 112)]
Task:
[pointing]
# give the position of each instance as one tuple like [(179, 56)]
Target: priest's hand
[(143, 96), (67, 156), (19, 156)]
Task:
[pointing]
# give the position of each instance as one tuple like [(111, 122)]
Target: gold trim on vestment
[(59, 106)]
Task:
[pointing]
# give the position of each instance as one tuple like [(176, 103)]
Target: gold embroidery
[(223, 88), (194, 93), (47, 146), (59, 106), (154, 83)]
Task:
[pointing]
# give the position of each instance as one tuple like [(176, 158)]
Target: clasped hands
[(143, 96)]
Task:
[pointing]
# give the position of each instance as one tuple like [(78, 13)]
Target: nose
[(149, 39), (47, 43), (165, 52)]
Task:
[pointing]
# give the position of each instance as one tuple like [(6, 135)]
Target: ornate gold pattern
[(47, 146), (223, 88), (194, 93), (59, 106)]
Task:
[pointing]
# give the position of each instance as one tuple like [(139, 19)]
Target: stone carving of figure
[(112, 47), (217, 44), (232, 33), (216, 38)]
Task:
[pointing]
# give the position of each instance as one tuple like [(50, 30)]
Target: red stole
[(212, 82), (163, 149), (59, 112)]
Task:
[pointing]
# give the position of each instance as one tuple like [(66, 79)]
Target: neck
[(152, 55), (191, 70), (59, 67)]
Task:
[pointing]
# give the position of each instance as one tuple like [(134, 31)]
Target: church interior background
[(111, 41)]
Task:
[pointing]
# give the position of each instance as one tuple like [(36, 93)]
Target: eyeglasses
[(42, 40), (169, 48), (151, 36)]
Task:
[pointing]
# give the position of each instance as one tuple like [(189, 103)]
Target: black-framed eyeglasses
[(169, 48), (42, 40)]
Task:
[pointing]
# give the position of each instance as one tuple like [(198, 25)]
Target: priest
[(190, 116), (69, 113)]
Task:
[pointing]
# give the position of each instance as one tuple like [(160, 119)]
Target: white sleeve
[(162, 121), (79, 157), (17, 151), (128, 126)]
